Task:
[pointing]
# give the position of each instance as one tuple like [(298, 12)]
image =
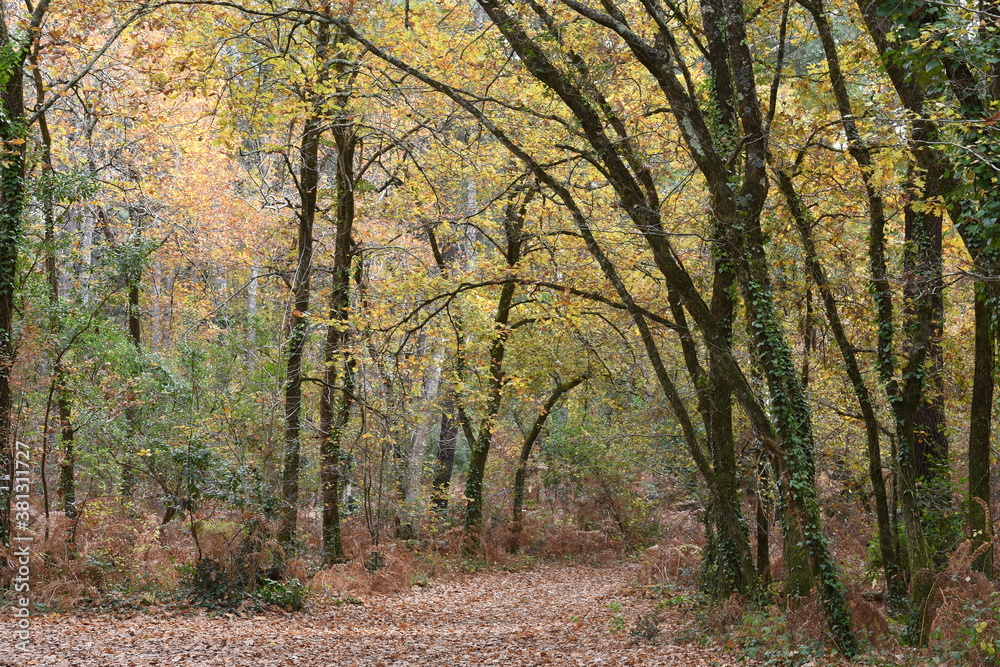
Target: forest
[(687, 303)]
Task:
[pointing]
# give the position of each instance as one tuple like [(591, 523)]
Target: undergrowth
[(122, 559), (958, 625)]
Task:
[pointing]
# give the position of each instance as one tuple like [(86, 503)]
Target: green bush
[(211, 581), (289, 593)]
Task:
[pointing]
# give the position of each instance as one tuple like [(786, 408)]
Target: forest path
[(544, 616)]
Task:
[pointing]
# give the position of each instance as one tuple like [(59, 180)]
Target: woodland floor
[(544, 616)]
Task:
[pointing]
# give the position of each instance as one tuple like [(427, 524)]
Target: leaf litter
[(548, 615)]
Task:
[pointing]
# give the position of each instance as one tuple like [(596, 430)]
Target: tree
[(959, 179), (314, 99), (337, 395), (517, 504), (15, 47), (514, 239), (737, 210)]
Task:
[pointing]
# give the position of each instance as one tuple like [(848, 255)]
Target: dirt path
[(546, 616)]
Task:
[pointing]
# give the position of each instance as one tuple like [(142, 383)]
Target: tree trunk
[(513, 227), (298, 323), (337, 396), (447, 439), (739, 213), (886, 528), (923, 281), (763, 521), (132, 275), (67, 473), (134, 281), (445, 258), (918, 550), (517, 504), (918, 449), (729, 562), (11, 210), (980, 422), (12, 201), (967, 191), (134, 323)]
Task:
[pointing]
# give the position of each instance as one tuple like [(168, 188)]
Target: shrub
[(289, 593), (211, 581), (961, 616)]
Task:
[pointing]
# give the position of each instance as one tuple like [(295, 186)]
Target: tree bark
[(980, 426), (337, 396), (923, 280), (297, 327), (967, 191), (763, 524)]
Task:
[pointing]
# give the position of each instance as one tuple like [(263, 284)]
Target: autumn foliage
[(338, 299)]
